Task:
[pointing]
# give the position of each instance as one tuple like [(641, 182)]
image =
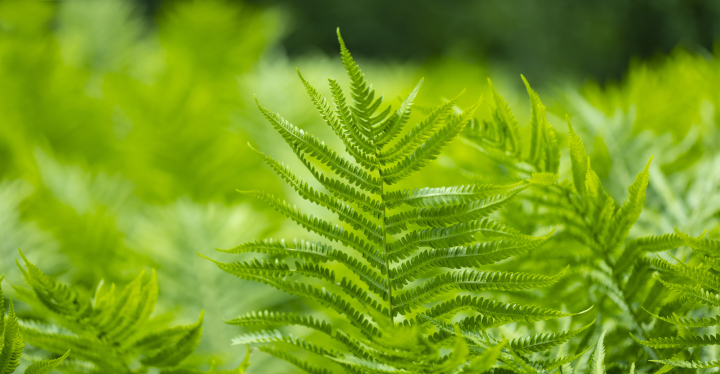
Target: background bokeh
[(124, 125)]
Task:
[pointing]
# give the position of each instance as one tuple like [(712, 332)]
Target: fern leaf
[(176, 350), (357, 149), (55, 296), (680, 341), (484, 361), (503, 117), (315, 252), (429, 150), (495, 309), (417, 135), (12, 342), (455, 235), (58, 341), (690, 364), (324, 228), (696, 293), (392, 126), (544, 150), (347, 119), (561, 362), (578, 159), (597, 358), (637, 247), (304, 143), (345, 192), (442, 196), (541, 342), (689, 321), (709, 247), (362, 93), (461, 257), (469, 280), (270, 318), (302, 364), (629, 212), (46, 366), (449, 214)]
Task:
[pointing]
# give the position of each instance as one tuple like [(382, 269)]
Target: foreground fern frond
[(11, 343), (107, 333), (388, 274)]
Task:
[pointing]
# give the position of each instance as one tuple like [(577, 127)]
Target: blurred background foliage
[(124, 125)]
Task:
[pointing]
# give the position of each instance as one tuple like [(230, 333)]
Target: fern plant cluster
[(535, 267), (626, 276), (113, 332)]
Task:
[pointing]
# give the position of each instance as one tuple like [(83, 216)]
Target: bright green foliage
[(499, 138), (597, 359), (396, 280), (111, 333), (11, 344), (696, 286), (612, 265)]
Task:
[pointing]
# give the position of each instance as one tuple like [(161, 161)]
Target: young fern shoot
[(399, 271)]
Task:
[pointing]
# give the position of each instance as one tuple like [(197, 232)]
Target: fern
[(11, 344), (616, 266), (106, 334), (389, 290), (701, 294)]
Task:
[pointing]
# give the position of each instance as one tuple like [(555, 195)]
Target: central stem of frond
[(384, 241)]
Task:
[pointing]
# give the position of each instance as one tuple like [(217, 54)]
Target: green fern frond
[(635, 248), (689, 321), (484, 361), (681, 341), (46, 366), (417, 135), (442, 196), (12, 341), (306, 144), (495, 309), (690, 364), (114, 328), (468, 280), (578, 159), (396, 254), (709, 247), (506, 121), (560, 362), (541, 342), (597, 358), (354, 145), (461, 257), (429, 150), (699, 294), (630, 210)]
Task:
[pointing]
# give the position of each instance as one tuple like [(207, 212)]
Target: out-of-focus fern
[(682, 175), (111, 333), (11, 343), (396, 293)]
